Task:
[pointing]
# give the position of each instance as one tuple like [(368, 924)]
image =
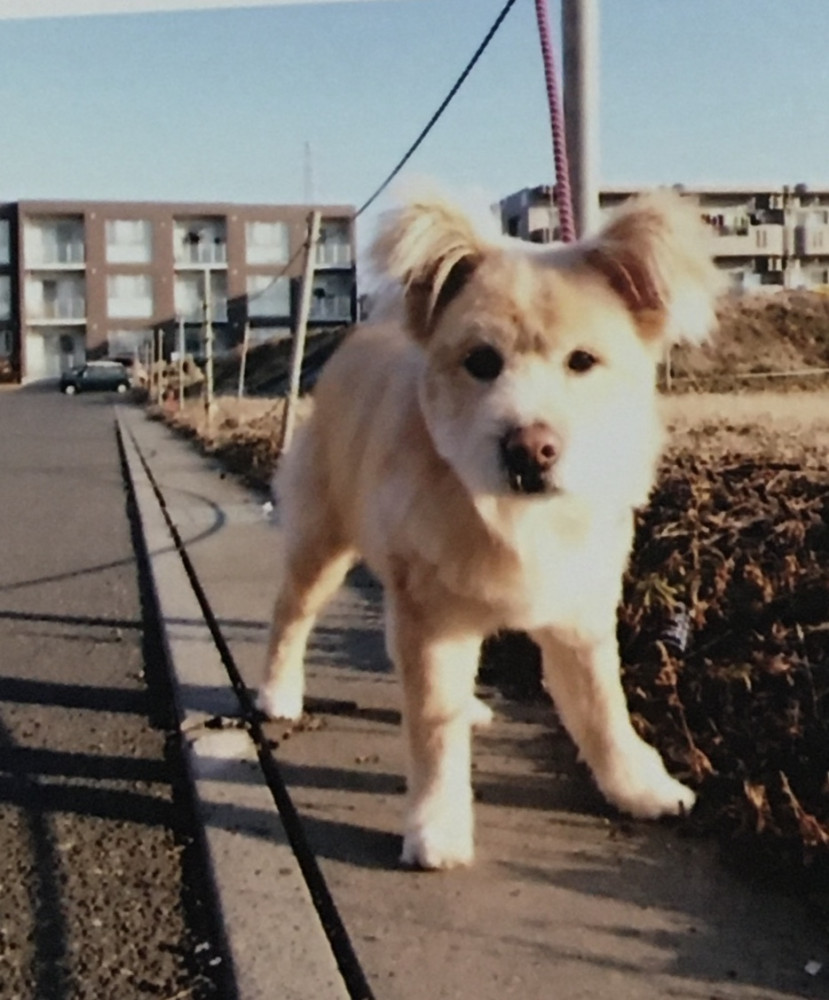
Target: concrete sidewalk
[(564, 901)]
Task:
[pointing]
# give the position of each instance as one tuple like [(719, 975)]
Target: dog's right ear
[(431, 249)]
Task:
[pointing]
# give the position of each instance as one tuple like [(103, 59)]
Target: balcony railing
[(333, 255), (333, 308), (811, 241), (201, 254), (765, 240), (194, 312), (60, 254), (61, 309)]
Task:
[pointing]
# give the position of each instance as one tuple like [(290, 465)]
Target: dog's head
[(539, 362)]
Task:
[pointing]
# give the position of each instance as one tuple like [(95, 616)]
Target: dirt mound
[(724, 638), (724, 633), (760, 334)]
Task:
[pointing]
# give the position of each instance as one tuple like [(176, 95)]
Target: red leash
[(564, 198)]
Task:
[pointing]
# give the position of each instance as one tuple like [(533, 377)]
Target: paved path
[(99, 882), (565, 901)]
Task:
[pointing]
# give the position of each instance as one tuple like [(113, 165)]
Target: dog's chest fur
[(515, 564)]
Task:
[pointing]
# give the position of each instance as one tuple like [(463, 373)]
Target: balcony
[(333, 255), (201, 255), (811, 241), (57, 256), (754, 241), (67, 310), (331, 309)]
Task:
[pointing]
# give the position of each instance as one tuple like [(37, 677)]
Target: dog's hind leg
[(584, 681), (438, 675)]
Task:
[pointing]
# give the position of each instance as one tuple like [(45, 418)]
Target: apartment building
[(82, 280), (765, 238)]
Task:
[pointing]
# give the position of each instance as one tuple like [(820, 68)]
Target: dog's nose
[(528, 454)]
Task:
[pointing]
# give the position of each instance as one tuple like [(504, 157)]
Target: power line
[(443, 106)]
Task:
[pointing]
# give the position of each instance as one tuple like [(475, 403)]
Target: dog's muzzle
[(529, 454)]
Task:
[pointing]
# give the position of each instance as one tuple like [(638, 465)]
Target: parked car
[(95, 376)]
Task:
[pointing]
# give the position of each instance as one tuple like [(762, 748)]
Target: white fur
[(402, 463)]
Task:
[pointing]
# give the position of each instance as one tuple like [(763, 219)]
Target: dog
[(484, 453)]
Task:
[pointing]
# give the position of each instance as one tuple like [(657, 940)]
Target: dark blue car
[(95, 376)]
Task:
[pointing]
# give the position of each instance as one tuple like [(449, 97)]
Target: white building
[(764, 237)]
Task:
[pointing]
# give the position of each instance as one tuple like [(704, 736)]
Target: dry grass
[(785, 427)]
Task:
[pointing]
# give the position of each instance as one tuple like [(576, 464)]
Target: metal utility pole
[(298, 348), (580, 69), (308, 174)]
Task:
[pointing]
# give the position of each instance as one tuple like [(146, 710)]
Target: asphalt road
[(102, 893)]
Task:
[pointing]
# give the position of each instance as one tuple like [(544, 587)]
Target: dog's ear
[(655, 256), (430, 249)]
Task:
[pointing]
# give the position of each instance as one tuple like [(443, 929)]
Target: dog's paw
[(436, 848), (640, 785), (438, 831), (278, 703), (480, 714)]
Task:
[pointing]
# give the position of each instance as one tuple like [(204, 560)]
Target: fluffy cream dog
[(484, 455)]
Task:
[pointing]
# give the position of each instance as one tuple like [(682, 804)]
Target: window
[(189, 297), (268, 295), (5, 297), (200, 241), (5, 242), (129, 241), (331, 298), (130, 296), (334, 247), (266, 242), (54, 241), (55, 298), (129, 343)]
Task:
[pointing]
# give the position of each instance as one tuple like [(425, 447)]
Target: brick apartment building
[(86, 279), (765, 238)]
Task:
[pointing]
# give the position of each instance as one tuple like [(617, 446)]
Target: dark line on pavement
[(338, 938)]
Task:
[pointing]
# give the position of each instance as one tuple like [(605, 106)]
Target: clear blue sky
[(218, 104)]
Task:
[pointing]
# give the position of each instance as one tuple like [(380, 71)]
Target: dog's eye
[(484, 363), (581, 361)]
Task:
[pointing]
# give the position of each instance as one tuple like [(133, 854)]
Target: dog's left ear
[(654, 254), (431, 249)]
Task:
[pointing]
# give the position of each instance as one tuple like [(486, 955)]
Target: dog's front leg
[(312, 572), (584, 681), (438, 675)]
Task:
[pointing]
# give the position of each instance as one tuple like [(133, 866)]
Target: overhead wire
[(443, 106), (564, 198)]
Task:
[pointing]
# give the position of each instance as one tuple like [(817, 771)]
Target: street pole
[(298, 347), (159, 338), (181, 362), (243, 360), (580, 70), (208, 349)]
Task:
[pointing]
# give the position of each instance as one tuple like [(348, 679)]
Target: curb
[(271, 929)]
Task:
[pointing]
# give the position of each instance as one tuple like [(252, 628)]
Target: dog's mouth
[(530, 483), (528, 457)]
